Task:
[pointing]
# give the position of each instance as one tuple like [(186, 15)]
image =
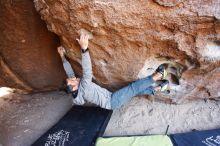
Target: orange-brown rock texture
[(132, 37), (28, 57), (130, 40)]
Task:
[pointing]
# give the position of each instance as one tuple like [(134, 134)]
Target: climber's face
[(73, 82)]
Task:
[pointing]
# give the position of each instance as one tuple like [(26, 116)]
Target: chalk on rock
[(211, 52), (84, 31)]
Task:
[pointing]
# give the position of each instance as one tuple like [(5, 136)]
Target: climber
[(84, 90)]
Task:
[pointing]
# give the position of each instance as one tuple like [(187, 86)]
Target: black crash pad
[(79, 127), (197, 138)]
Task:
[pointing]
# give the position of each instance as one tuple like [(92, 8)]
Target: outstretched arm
[(86, 60), (66, 65)]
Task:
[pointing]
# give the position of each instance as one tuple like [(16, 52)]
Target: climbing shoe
[(164, 85), (161, 69)]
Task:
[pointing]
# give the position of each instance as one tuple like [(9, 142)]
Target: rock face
[(132, 38), (28, 56)]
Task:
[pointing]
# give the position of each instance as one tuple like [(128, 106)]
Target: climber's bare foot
[(158, 88), (157, 76)]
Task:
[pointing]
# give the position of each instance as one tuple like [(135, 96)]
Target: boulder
[(132, 38)]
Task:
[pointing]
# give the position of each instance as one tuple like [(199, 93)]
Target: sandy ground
[(24, 118), (141, 117)]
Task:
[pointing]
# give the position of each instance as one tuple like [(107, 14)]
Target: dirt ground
[(24, 118)]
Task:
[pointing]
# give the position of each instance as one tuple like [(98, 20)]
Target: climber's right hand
[(61, 50), (83, 41)]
